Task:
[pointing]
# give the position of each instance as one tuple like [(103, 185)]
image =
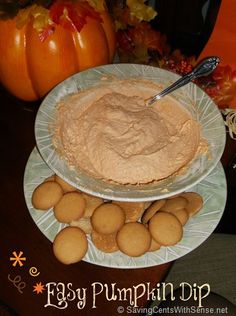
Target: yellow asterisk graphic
[(38, 288), (17, 258)]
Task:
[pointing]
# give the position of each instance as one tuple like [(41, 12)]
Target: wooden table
[(18, 233)]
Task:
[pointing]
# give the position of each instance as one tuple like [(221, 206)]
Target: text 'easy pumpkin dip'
[(108, 132)]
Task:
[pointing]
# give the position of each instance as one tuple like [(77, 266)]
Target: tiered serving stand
[(205, 175)]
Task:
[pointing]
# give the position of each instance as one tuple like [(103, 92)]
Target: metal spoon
[(204, 68)]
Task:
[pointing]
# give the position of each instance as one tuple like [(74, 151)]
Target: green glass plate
[(196, 231)]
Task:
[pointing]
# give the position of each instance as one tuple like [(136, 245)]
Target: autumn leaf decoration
[(72, 15), (222, 86), (135, 43)]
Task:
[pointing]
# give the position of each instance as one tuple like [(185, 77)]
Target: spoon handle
[(204, 68)]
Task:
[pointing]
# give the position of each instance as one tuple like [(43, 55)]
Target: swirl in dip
[(108, 132)]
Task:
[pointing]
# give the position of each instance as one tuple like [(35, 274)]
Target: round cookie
[(181, 214), (108, 218), (65, 185), (133, 210), (154, 246), (92, 202), (151, 210), (195, 202), (70, 207), (133, 239), (174, 204), (46, 195), (165, 228), (84, 223), (50, 178), (147, 204), (70, 245), (106, 243), (173, 196)]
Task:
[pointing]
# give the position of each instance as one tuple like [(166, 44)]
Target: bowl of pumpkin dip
[(95, 131)]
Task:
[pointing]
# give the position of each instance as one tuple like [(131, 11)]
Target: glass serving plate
[(199, 227)]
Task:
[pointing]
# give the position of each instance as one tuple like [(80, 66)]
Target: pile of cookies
[(134, 228)]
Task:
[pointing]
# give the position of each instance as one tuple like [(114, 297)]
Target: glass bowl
[(195, 100)]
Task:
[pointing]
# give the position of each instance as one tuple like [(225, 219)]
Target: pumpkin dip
[(109, 133)]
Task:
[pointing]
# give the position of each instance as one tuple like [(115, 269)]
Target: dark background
[(187, 24)]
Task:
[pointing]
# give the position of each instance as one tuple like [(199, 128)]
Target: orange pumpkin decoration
[(30, 67)]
